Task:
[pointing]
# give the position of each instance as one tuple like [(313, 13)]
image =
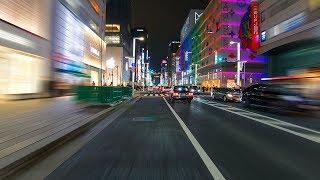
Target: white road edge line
[(308, 137), (213, 169), (263, 116)]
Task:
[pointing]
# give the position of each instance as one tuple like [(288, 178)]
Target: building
[(164, 78), (119, 40), (183, 66), (209, 58), (25, 41), (290, 38), (78, 47), (172, 62), (46, 45), (142, 56)]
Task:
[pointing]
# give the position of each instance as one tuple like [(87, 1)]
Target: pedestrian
[(93, 83)]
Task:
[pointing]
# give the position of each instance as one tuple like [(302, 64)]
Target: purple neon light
[(236, 1), (238, 12), (236, 24)]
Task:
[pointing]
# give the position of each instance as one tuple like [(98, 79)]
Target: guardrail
[(102, 94)]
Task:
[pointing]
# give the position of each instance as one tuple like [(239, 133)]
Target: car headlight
[(230, 95), (291, 98)]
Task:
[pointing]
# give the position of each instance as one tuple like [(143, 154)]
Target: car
[(166, 90), (226, 94), (195, 89), (181, 93), (274, 96)]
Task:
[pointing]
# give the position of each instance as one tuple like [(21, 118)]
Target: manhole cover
[(143, 119)]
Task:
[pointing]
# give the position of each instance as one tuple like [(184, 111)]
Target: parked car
[(226, 94), (274, 96), (181, 93), (195, 89)]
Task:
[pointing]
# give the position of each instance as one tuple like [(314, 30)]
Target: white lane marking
[(311, 134), (213, 169)]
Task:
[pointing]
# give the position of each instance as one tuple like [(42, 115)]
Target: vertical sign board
[(255, 26)]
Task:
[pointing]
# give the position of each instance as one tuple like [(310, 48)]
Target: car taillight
[(175, 94), (190, 94)]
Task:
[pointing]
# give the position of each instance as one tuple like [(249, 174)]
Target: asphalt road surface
[(201, 140)]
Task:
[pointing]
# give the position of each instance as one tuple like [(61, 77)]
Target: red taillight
[(175, 94), (190, 94)]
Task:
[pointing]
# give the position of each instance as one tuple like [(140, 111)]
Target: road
[(202, 140)]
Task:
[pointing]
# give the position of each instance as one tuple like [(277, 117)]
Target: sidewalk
[(27, 127)]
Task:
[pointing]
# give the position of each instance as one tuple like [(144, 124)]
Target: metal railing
[(102, 94)]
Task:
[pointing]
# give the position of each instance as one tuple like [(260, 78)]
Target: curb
[(55, 142)]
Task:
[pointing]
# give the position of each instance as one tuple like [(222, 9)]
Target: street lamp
[(134, 59), (238, 60)]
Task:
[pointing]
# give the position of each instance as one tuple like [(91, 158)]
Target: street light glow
[(140, 38), (111, 63)]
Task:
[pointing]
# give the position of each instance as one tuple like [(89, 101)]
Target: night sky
[(164, 20)]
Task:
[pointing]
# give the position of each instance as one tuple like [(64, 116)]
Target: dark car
[(273, 96), (181, 93), (226, 94), (195, 89)]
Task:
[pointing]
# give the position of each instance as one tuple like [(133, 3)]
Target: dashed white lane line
[(294, 129), (213, 169), (155, 95)]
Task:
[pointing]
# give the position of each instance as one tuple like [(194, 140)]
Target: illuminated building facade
[(78, 47), (208, 58), (172, 62), (25, 42), (45, 41), (119, 40), (142, 60), (290, 30)]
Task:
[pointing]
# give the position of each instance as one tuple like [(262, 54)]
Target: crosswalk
[(155, 95)]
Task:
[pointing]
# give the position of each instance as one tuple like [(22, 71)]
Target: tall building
[(210, 58), (119, 40), (172, 62), (183, 69), (47, 44), (287, 29), (142, 55), (164, 78)]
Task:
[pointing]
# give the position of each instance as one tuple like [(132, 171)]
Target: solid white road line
[(213, 169), (311, 134)]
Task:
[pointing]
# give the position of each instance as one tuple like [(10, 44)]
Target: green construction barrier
[(103, 94)]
